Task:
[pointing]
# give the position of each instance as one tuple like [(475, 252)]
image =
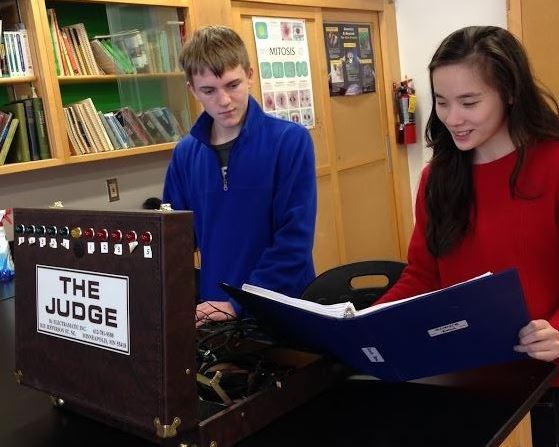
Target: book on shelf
[(41, 127), (20, 151), (168, 122), (5, 118), (83, 38), (7, 140), (79, 43), (22, 52), (133, 44), (54, 34), (173, 29), (172, 119), (435, 333), (133, 127), (104, 58), (2, 52), (158, 51), (120, 133), (124, 63), (14, 55), (147, 51), (153, 127), (87, 128), (164, 134), (71, 66), (90, 130), (109, 130), (73, 41), (84, 144), (32, 136), (96, 124), (76, 147), (65, 56), (104, 48)]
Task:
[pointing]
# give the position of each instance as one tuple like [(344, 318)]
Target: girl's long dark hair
[(532, 114)]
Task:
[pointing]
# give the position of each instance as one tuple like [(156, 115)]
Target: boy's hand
[(214, 311)]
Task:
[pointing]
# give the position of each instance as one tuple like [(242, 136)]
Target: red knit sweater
[(506, 232)]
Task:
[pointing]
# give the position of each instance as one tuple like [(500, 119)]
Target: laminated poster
[(349, 58), (283, 64)]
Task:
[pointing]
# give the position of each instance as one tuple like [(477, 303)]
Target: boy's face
[(225, 99)]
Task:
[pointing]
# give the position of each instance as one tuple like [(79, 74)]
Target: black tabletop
[(473, 408)]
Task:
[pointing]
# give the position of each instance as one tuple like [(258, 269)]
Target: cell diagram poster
[(349, 58), (283, 63)]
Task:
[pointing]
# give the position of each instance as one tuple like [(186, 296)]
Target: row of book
[(91, 131), (23, 132), (126, 52), (15, 55), (135, 51), (72, 51)]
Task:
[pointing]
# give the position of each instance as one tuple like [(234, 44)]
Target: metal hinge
[(166, 431)]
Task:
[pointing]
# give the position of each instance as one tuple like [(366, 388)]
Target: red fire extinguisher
[(404, 95)]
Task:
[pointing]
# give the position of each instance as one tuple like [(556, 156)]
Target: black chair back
[(335, 285)]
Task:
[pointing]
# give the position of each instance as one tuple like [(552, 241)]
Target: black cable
[(238, 349)]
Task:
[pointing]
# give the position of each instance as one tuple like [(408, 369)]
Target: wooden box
[(105, 312)]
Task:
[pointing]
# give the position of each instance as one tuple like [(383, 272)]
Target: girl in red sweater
[(489, 198)]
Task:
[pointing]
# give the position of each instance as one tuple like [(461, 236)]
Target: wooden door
[(360, 161), (535, 23), (356, 202)]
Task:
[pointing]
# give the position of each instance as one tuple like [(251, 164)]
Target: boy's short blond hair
[(214, 48)]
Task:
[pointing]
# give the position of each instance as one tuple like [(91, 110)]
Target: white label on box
[(147, 252), (118, 249), (372, 354), (85, 307), (90, 248), (451, 327), (53, 243), (42, 241), (104, 247)]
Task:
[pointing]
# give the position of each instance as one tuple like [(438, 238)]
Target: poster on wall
[(349, 57), (283, 63)]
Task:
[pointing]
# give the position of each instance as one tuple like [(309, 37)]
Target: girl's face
[(472, 111)]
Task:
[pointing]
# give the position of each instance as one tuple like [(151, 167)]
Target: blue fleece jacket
[(258, 227)]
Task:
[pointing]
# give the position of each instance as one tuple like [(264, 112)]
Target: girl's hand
[(539, 340)]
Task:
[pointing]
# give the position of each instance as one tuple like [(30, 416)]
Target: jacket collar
[(203, 125)]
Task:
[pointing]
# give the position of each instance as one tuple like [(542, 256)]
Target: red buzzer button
[(88, 233), (102, 234), (146, 237), (131, 236), (116, 235)]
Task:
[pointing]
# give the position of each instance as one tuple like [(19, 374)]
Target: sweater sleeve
[(422, 273), (175, 189), (285, 264), (554, 319)]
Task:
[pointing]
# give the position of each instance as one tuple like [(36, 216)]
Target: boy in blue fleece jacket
[(248, 177)]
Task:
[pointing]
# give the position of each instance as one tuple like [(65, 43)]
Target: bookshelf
[(85, 79), (156, 92), (26, 15)]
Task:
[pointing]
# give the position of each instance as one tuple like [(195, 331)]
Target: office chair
[(335, 285)]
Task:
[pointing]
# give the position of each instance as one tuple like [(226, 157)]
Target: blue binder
[(465, 326)]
